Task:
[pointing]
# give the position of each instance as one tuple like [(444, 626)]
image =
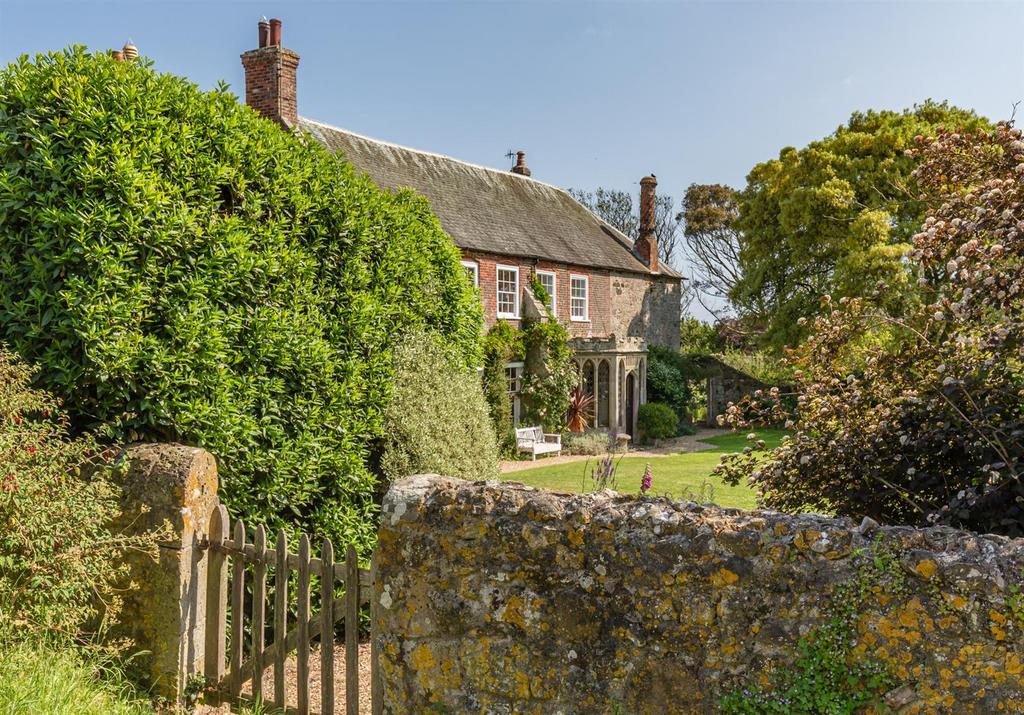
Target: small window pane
[(579, 298), (508, 292), (548, 281)]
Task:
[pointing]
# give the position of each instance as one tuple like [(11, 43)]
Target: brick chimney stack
[(521, 167), (647, 242), (270, 72)]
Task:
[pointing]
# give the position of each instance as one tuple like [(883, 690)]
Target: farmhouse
[(610, 292)]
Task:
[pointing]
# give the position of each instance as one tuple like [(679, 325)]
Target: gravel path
[(677, 445), (291, 679)]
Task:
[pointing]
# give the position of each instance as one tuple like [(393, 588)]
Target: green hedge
[(656, 420), (182, 269)]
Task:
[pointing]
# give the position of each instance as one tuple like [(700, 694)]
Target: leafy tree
[(835, 218), (709, 214), (919, 418), (182, 269)]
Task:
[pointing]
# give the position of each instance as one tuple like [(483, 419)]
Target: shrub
[(59, 563), (919, 417), (437, 419), (182, 269), (666, 382), (657, 421), (591, 442)]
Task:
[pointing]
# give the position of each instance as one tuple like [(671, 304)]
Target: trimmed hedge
[(182, 269), (656, 420)]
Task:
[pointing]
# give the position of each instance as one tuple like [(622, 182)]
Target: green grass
[(680, 476), (40, 680)]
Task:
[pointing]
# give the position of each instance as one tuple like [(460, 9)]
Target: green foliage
[(696, 336), (918, 417), (826, 675), (37, 679), (502, 344), (548, 378), (550, 374), (182, 269), (656, 420), (760, 365), (591, 442), (676, 380), (437, 419), (59, 560), (835, 218)]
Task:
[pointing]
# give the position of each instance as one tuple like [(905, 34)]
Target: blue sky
[(597, 94)]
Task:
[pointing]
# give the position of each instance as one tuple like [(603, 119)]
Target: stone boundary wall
[(498, 598)]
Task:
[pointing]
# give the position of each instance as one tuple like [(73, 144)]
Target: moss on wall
[(501, 598)]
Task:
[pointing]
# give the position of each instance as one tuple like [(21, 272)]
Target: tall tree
[(617, 208), (712, 242), (835, 218)]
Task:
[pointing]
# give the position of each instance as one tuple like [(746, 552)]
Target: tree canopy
[(918, 417), (834, 218), (182, 269)]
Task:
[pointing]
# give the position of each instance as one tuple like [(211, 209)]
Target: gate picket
[(227, 675), (280, 614)]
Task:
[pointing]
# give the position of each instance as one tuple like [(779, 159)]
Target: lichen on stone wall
[(495, 597)]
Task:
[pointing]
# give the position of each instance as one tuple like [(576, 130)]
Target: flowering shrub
[(59, 563), (603, 474), (918, 417)]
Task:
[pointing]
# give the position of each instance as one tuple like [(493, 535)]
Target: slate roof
[(489, 210)]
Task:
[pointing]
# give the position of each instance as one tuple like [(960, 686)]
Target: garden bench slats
[(534, 441)]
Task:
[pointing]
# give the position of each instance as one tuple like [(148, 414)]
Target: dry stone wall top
[(499, 598)]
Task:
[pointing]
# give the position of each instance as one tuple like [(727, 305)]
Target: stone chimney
[(521, 167), (270, 72), (647, 242)]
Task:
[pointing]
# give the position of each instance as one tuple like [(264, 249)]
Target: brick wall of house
[(600, 281)]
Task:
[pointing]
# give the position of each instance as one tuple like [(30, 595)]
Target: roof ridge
[(396, 145)]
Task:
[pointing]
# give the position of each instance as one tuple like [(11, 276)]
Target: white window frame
[(476, 271), (586, 298), (554, 289), (497, 292), (514, 394)]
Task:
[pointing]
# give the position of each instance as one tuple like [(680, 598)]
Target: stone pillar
[(167, 486), (615, 413)]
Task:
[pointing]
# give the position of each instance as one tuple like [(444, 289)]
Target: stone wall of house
[(500, 598), (646, 307)]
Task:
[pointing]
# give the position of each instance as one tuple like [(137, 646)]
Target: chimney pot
[(270, 76), (521, 168), (264, 32), (647, 243)]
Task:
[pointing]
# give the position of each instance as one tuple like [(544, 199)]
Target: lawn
[(681, 476)]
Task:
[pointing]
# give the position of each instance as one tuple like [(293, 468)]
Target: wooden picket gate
[(227, 668)]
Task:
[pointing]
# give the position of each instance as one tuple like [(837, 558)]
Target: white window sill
[(579, 320), (507, 316)]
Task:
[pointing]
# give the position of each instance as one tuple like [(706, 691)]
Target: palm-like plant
[(580, 406)]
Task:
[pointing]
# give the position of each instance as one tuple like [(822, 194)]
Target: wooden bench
[(535, 441)]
